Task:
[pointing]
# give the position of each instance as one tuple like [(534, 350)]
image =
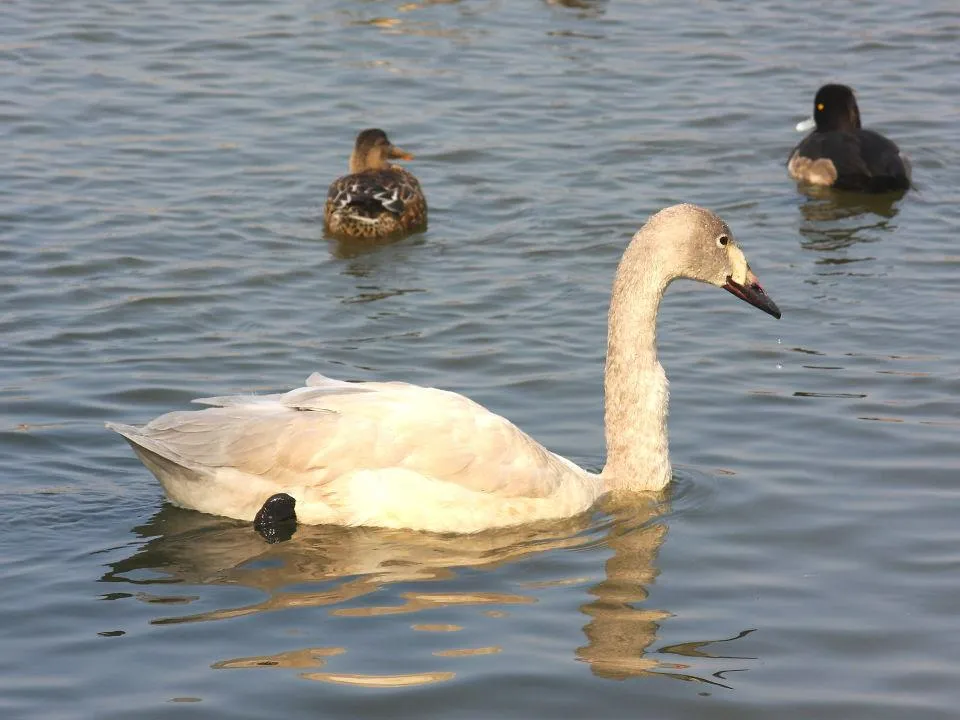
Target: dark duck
[(839, 153), (377, 199)]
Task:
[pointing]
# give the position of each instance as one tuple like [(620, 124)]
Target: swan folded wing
[(317, 434), (245, 437), (305, 398)]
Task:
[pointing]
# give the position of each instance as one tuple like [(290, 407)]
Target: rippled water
[(160, 236)]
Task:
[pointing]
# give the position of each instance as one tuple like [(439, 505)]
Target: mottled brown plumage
[(376, 199)]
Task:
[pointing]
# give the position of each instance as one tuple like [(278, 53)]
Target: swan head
[(373, 151), (695, 243)]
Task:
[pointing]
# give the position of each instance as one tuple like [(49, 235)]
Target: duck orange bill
[(753, 293), (399, 154)]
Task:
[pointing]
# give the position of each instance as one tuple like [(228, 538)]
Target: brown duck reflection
[(186, 547), (587, 8)]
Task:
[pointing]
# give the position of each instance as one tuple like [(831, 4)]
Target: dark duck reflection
[(329, 566), (377, 199), (841, 154), (824, 204), (837, 220)]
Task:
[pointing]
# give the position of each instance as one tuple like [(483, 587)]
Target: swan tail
[(159, 458)]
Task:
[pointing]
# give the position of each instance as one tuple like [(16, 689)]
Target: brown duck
[(376, 199)]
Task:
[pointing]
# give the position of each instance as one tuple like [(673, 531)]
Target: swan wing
[(327, 429)]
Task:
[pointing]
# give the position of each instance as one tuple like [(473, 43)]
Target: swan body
[(377, 199), (387, 454), (396, 455)]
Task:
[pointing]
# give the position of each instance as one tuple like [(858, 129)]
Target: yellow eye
[(820, 106)]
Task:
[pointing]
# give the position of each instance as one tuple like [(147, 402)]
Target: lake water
[(165, 167)]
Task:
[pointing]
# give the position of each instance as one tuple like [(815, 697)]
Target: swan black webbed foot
[(277, 519)]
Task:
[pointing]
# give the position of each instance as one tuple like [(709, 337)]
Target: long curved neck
[(635, 386)]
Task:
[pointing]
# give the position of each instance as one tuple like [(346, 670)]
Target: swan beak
[(753, 293), (808, 124), (398, 154)]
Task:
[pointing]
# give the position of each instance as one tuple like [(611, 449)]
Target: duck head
[(373, 151), (834, 108)]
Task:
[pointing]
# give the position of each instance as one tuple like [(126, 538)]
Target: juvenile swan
[(395, 455)]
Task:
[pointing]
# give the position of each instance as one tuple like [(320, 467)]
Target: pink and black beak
[(753, 293)]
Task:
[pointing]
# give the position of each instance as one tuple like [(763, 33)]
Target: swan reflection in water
[(325, 566)]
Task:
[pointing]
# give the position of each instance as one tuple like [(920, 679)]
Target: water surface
[(159, 230)]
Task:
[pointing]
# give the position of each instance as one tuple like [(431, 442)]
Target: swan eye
[(722, 240)]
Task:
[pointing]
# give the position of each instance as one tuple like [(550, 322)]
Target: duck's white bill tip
[(808, 124)]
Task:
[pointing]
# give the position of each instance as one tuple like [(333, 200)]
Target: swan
[(395, 455)]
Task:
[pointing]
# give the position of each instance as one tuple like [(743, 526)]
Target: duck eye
[(722, 240)]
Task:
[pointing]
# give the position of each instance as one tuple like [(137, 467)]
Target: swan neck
[(635, 385)]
